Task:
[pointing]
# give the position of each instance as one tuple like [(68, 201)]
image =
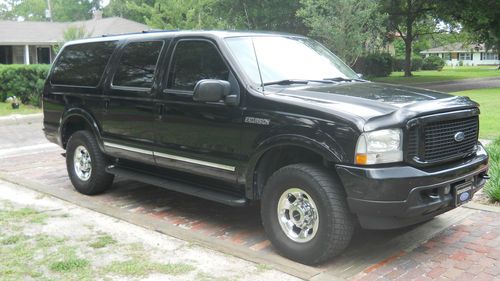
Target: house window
[(489, 56), (5, 54), (43, 55), (18, 54), (447, 56), (465, 56)]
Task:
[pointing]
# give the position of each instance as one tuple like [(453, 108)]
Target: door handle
[(160, 110), (106, 105)]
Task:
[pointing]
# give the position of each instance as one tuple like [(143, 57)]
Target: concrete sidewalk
[(21, 119)]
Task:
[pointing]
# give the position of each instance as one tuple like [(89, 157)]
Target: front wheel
[(305, 214), (86, 164)]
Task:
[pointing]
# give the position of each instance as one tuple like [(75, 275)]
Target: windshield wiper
[(296, 81), (342, 79)]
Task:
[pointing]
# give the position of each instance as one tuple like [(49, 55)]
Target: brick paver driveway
[(456, 244), (469, 250)]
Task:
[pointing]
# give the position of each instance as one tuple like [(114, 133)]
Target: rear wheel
[(305, 214), (86, 164)]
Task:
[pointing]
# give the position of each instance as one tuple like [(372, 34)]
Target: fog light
[(447, 189)]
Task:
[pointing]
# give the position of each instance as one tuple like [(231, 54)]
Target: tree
[(481, 18), (121, 8), (348, 27), (411, 19), (27, 9), (62, 10), (71, 33), (273, 15)]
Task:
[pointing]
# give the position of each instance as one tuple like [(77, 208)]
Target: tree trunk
[(408, 52), (409, 38)]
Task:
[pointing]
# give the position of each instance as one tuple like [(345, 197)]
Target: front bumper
[(398, 196)]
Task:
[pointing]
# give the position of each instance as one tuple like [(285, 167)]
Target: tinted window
[(82, 64), (194, 61), (137, 64)]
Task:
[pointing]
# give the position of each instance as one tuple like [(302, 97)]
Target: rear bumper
[(393, 197)]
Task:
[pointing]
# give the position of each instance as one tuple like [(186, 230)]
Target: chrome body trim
[(172, 157)]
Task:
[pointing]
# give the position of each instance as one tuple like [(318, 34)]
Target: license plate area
[(462, 192)]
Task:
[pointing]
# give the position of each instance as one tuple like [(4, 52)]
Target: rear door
[(129, 109), (200, 138)]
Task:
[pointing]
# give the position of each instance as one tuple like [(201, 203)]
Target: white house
[(30, 42), (464, 54)]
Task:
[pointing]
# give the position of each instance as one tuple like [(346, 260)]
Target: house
[(464, 54), (29, 42)]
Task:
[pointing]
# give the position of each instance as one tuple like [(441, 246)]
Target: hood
[(375, 102)]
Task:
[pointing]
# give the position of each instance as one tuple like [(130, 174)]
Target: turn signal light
[(361, 159)]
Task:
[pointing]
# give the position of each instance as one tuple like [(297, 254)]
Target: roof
[(456, 48), (160, 34), (33, 32)]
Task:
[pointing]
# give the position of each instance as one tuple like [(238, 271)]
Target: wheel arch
[(78, 119), (281, 151)]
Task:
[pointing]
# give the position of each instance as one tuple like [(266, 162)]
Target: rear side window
[(194, 61), (137, 64), (83, 64)]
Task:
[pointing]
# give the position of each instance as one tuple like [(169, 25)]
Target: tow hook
[(484, 176)]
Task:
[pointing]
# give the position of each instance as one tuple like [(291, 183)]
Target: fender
[(89, 119), (329, 153)]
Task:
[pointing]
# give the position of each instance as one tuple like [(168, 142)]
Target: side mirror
[(360, 75), (211, 90)]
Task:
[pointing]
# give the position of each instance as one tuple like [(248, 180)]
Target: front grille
[(435, 141)]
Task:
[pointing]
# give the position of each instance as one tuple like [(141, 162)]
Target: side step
[(194, 190)]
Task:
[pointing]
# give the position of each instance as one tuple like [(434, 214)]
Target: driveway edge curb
[(20, 119)]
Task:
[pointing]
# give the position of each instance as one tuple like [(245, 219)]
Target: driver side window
[(193, 61)]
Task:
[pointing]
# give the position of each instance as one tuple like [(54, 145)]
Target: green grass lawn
[(6, 109), (489, 99), (492, 188), (447, 74)]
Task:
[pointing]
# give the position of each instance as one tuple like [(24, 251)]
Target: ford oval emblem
[(460, 136)]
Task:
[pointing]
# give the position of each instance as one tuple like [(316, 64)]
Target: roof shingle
[(32, 32)]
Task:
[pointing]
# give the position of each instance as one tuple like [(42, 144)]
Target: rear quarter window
[(82, 64)]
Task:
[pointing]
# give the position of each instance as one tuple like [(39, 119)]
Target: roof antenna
[(258, 67)]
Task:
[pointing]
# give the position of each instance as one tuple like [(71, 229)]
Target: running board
[(194, 190)]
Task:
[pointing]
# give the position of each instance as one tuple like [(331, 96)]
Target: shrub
[(433, 63), (416, 63), (399, 63), (375, 65), (23, 81), (492, 188)]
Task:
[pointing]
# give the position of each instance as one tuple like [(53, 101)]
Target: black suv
[(239, 117)]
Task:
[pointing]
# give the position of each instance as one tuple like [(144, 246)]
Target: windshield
[(287, 58)]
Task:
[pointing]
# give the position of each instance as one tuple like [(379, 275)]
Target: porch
[(26, 54)]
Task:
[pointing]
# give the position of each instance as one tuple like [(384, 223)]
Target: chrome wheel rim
[(82, 163), (298, 215)]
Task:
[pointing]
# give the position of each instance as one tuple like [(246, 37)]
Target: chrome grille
[(435, 142)]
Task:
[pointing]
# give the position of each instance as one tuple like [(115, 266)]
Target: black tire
[(98, 180), (335, 225)]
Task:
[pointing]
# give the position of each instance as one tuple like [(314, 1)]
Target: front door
[(200, 138), (129, 103)]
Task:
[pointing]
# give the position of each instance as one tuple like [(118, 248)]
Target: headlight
[(384, 146)]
